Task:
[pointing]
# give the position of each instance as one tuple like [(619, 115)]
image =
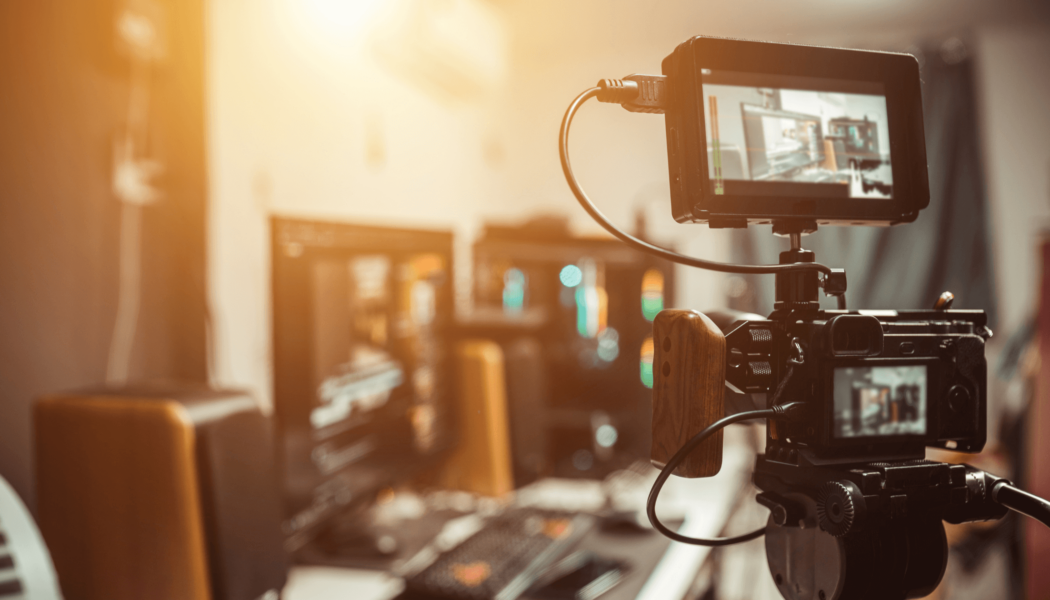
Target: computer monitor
[(362, 390), (589, 303)]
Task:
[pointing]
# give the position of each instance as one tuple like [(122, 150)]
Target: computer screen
[(362, 390)]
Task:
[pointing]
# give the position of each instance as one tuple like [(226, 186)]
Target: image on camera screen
[(879, 401), (796, 136)]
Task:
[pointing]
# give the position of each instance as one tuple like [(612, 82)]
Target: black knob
[(944, 301), (838, 507), (959, 399)]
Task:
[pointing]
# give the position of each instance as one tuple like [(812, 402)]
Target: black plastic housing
[(692, 197), (949, 344)]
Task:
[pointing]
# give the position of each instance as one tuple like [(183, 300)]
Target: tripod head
[(866, 531)]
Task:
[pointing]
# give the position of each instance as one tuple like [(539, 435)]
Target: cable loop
[(676, 460), (690, 261)]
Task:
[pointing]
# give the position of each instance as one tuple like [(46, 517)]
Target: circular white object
[(606, 436)]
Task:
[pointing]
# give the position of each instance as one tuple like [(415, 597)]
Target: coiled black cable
[(592, 210), (665, 473), (778, 410)]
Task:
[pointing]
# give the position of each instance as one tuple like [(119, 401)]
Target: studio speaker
[(482, 461), (159, 492)]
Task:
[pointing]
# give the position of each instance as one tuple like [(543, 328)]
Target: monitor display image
[(872, 401), (361, 378), (780, 135)]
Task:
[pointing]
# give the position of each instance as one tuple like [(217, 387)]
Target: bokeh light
[(571, 276)]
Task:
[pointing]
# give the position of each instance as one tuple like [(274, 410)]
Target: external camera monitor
[(761, 133)]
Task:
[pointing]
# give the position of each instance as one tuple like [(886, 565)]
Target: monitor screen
[(874, 401), (767, 134), (362, 389)]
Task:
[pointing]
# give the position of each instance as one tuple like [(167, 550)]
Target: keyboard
[(26, 572), (10, 584), (503, 559)]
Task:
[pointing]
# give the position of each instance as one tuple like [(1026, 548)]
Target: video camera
[(796, 137)]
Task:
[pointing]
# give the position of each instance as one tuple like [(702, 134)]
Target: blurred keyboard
[(26, 571), (504, 558), (10, 585)]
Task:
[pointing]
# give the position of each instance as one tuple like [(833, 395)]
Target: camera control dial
[(837, 511)]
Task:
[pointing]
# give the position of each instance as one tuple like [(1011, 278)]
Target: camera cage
[(948, 344)]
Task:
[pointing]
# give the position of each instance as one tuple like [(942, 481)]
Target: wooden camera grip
[(689, 369)]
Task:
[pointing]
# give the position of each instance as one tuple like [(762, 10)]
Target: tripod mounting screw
[(837, 511)]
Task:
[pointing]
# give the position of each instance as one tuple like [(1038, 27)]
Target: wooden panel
[(689, 368), (118, 499), (482, 462)]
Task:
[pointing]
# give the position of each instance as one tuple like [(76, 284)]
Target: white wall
[(303, 120)]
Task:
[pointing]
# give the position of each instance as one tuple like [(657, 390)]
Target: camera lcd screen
[(781, 135), (877, 401)]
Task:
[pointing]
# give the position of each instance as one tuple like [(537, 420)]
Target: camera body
[(878, 385), (798, 137)]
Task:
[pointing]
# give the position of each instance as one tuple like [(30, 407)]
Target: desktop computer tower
[(159, 492)]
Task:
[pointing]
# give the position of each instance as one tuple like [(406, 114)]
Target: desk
[(660, 569), (642, 550)]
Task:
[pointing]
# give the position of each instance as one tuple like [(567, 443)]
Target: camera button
[(907, 348), (959, 399)]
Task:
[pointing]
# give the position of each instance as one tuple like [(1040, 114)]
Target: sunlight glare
[(334, 21)]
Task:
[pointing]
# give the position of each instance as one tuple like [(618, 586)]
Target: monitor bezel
[(897, 73)]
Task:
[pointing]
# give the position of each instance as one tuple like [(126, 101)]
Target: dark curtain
[(946, 248)]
